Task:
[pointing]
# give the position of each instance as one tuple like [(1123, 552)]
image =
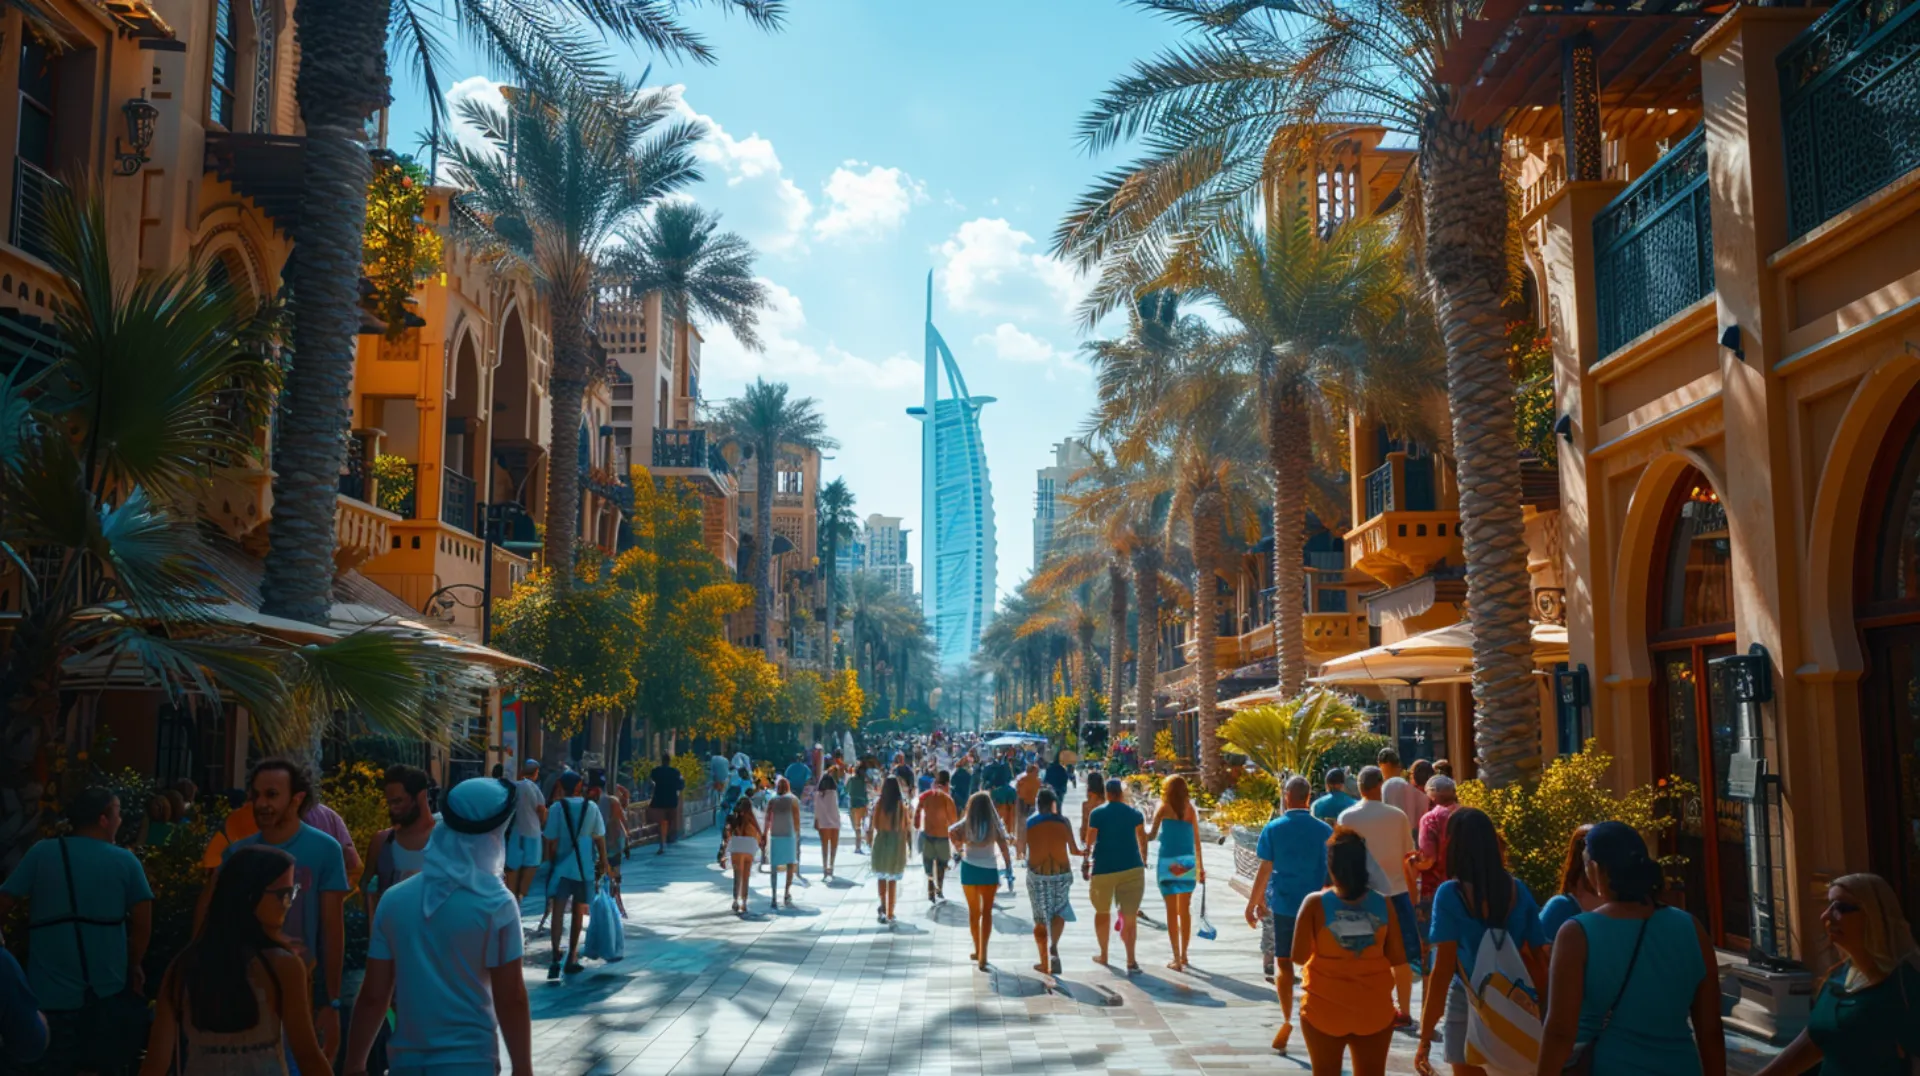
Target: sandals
[(574, 967)]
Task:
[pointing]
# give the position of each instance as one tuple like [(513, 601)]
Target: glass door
[(1891, 723), (1700, 737)]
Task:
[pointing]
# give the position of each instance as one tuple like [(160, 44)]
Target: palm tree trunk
[(1466, 258), (342, 80), (1084, 690), (1116, 638), (1146, 648), (763, 549), (1288, 453), (571, 372), (1206, 629)]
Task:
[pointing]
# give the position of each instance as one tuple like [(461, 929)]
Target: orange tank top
[(1348, 982)]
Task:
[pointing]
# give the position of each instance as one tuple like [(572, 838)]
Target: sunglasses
[(285, 893)]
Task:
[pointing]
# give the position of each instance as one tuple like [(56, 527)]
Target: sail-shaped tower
[(956, 507)]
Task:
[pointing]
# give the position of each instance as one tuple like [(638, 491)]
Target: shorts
[(572, 890), (523, 852), (1048, 895), (935, 850), (1409, 930), (1282, 927), (974, 874), (742, 846), (1124, 887), (1004, 795), (783, 851), (1454, 1028)]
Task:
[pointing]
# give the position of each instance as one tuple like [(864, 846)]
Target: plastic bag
[(605, 940), (1206, 929)]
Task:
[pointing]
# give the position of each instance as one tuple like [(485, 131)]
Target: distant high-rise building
[(1050, 507), (956, 507), (884, 545)]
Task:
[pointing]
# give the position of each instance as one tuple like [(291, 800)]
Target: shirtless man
[(1050, 843), (1027, 788), (933, 816)]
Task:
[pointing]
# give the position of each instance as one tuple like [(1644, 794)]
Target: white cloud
[(788, 357), (762, 203), (1012, 344), (869, 204), (990, 269), (477, 86)]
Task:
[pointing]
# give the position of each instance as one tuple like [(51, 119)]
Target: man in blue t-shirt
[(1328, 807), (316, 921), (109, 901), (798, 773), (1119, 856), (576, 843), (1293, 867)]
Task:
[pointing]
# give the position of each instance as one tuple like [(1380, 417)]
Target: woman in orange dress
[(1348, 942)]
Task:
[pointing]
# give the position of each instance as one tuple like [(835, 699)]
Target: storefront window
[(1423, 729), (1698, 588)]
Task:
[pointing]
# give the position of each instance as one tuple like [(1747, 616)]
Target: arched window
[(1697, 591)]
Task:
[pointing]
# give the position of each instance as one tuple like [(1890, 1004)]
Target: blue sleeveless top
[(1176, 838), (1651, 1031)]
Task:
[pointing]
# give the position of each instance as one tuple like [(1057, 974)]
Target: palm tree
[(1207, 428), (891, 650), (1233, 108), (564, 169), (837, 523), (770, 427), (103, 448), (344, 48), (697, 270), (1071, 608), (1326, 325)]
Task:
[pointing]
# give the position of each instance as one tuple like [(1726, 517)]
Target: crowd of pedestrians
[(1382, 881)]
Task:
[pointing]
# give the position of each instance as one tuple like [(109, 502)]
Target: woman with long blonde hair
[(1866, 1018), (979, 833), (1178, 863)]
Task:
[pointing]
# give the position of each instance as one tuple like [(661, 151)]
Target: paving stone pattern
[(824, 988)]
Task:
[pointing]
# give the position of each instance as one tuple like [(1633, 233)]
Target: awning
[(1257, 698), (1413, 598), (1441, 656), (353, 616)]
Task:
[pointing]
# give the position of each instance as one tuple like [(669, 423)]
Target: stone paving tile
[(824, 988)]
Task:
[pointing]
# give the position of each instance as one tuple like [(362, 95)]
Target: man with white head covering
[(445, 945)]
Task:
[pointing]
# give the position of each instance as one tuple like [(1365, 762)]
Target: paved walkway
[(824, 988)]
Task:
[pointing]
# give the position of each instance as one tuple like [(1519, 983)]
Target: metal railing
[(681, 448), (1849, 107), (353, 479), (32, 188), (456, 501), (1380, 490), (1653, 245)]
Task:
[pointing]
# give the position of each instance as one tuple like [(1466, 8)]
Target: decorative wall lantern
[(1748, 677), (140, 115)]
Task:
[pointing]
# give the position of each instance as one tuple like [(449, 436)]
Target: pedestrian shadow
[(898, 927), (1171, 992), (802, 911), (1006, 923), (1084, 993), (838, 882), (1239, 988)]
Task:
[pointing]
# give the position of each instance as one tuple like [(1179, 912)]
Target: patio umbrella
[(1441, 656)]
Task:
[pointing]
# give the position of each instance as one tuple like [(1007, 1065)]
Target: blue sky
[(870, 142)]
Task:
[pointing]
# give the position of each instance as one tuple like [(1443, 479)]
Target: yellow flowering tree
[(399, 252), (587, 639), (1537, 820), (843, 700)]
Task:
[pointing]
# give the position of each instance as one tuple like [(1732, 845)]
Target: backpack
[(1503, 1008)]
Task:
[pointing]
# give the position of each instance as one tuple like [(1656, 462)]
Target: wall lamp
[(140, 115), (1564, 427), (1730, 339)]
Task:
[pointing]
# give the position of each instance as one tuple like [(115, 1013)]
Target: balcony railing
[(680, 448), (456, 502), (1653, 246), (353, 480), (31, 190), (1327, 562), (1849, 107), (1380, 489)]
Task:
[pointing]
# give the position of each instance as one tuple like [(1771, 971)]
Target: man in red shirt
[(1431, 859)]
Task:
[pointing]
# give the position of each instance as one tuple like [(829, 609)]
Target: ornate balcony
[(687, 454), (1653, 246), (361, 531), (1849, 107)]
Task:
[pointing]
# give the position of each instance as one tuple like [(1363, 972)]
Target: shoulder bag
[(1580, 1063), (112, 1030)]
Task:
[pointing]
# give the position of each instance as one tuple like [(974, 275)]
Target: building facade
[(1051, 486), (883, 548), (957, 539)]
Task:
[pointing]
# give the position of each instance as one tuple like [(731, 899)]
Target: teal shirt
[(1863, 1032), (1651, 1033), (108, 882), (1115, 847), (1328, 807)]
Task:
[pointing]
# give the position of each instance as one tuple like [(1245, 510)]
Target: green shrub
[(1351, 753), (1258, 786)]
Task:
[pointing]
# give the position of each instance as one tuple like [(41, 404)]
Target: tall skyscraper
[(884, 546), (1050, 507), (956, 507)]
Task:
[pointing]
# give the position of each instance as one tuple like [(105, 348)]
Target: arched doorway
[(1887, 608), (1690, 623)]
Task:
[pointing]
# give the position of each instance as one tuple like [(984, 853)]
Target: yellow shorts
[(1125, 887)]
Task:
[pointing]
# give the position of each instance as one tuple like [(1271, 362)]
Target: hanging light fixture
[(140, 114)]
